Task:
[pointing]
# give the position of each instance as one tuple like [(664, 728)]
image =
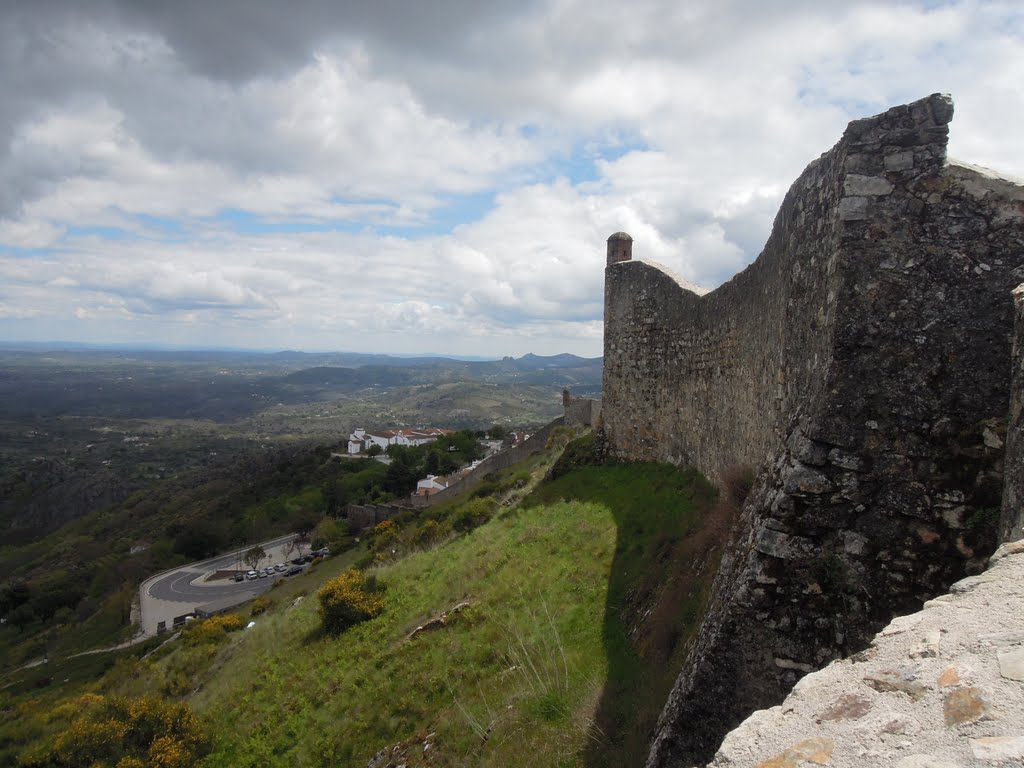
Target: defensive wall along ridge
[(861, 369)]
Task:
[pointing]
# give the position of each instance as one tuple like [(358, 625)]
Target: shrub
[(384, 536), (486, 488), (126, 733), (212, 629), (346, 600), (473, 514), (384, 529), (331, 533), (260, 605), (430, 533)]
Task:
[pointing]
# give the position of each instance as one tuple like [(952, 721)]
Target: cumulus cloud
[(436, 177)]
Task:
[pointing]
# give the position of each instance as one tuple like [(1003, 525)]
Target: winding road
[(182, 590)]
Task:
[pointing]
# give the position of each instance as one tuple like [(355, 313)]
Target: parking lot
[(215, 583)]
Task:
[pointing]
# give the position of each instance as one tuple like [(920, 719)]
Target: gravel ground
[(941, 688)]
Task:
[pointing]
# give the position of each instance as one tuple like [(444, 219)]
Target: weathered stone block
[(999, 749), (1011, 664), (782, 545), (801, 480), (899, 161), (868, 186), (853, 208)]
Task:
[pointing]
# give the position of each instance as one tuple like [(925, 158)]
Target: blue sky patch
[(169, 228), (579, 166), (453, 210), (108, 233), (247, 223)]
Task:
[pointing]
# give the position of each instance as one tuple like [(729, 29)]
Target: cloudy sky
[(434, 177)]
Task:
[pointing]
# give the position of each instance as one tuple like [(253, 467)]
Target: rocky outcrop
[(941, 688), (861, 366)]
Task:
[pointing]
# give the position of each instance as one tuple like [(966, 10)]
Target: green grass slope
[(578, 615), (521, 667), (572, 611)]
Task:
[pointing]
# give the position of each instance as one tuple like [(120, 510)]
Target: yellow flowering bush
[(384, 532), (260, 605), (345, 600), (126, 733), (212, 629)]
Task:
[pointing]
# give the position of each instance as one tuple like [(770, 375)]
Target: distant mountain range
[(284, 358)]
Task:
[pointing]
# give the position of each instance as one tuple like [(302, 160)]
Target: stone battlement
[(861, 368)]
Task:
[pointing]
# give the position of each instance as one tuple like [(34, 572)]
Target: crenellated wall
[(861, 367)]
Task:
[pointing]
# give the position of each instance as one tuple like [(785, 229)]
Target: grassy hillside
[(574, 607)]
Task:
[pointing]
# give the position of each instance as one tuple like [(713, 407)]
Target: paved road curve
[(182, 590)]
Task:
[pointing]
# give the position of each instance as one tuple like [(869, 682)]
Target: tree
[(198, 539), (432, 464), (402, 474), (21, 617), (304, 520), (330, 533), (253, 557), (374, 450), (14, 595), (329, 493)]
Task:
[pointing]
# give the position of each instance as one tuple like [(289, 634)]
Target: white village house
[(434, 483), (361, 440)]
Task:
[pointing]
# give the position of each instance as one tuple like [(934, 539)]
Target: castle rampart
[(861, 368), (580, 412)]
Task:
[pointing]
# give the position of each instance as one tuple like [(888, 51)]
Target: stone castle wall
[(494, 463), (580, 411), (363, 516), (861, 366), (1012, 522)]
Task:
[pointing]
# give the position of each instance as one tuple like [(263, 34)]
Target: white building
[(361, 440), (356, 444)]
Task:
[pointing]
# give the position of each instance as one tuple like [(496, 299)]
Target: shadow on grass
[(672, 527), (316, 635)]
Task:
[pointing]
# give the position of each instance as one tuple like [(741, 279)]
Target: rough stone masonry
[(861, 368)]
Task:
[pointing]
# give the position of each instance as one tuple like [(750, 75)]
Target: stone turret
[(620, 248)]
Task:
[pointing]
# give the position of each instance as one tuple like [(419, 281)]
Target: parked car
[(239, 577), (293, 570), (280, 567), (252, 575)]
